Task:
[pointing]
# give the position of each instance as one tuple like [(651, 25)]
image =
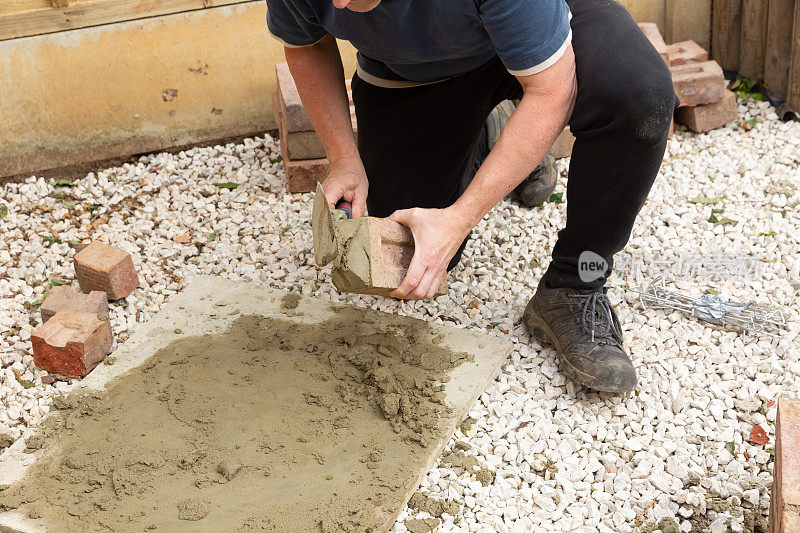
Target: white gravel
[(565, 459)]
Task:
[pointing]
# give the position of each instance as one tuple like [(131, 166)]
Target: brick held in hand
[(71, 343), (698, 83), (391, 250), (707, 117), (63, 297), (100, 267)]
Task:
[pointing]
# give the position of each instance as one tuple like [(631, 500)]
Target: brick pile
[(705, 102), (75, 334), (301, 148)]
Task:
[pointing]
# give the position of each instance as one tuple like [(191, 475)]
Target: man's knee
[(649, 105)]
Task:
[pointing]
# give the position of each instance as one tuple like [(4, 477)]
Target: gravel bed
[(675, 453)]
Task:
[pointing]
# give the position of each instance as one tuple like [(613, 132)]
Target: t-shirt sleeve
[(287, 23), (529, 35)]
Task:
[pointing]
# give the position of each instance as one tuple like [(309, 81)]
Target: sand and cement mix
[(272, 425), (343, 242)]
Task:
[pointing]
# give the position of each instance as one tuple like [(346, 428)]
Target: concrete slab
[(204, 307)]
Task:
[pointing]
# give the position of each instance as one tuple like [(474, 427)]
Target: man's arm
[(319, 75), (545, 108)]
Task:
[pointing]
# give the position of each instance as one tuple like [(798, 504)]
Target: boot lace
[(598, 317)]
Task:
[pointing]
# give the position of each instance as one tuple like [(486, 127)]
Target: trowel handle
[(346, 207)]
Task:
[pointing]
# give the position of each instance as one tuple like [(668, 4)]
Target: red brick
[(710, 116), (698, 83), (563, 145), (686, 52), (651, 31), (297, 133), (784, 511), (100, 267), (64, 297), (289, 101), (391, 250), (303, 175), (71, 343)]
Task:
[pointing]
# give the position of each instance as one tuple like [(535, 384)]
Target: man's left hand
[(437, 235)]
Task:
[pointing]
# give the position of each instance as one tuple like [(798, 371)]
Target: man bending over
[(429, 74)]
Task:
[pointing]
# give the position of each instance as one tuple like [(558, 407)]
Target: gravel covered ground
[(564, 458)]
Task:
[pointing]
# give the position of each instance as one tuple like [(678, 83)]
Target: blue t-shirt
[(407, 42)]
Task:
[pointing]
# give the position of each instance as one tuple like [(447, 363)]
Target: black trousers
[(418, 143)]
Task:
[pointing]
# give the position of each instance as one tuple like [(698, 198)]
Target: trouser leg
[(620, 121), (418, 143)]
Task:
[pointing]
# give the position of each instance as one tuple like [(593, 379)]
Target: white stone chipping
[(564, 458)]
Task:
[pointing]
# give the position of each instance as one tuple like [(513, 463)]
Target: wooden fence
[(760, 39)]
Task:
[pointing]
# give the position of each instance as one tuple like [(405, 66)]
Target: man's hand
[(437, 235), (347, 181)]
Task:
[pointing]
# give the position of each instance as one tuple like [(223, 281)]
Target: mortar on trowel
[(370, 255)]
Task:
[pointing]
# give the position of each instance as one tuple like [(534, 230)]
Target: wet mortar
[(270, 425)]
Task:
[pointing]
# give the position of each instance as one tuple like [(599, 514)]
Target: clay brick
[(289, 99), (710, 116), (64, 297), (784, 511), (391, 250), (301, 176), (299, 143), (563, 145), (71, 343), (100, 267), (698, 83), (650, 30), (686, 52)]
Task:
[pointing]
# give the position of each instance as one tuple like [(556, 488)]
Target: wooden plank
[(17, 6), (83, 15), (726, 32), (688, 20), (778, 46), (753, 38), (793, 91), (60, 3)]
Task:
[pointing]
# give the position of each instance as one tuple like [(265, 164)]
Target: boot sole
[(542, 332)]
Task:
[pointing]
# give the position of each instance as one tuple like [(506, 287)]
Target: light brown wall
[(107, 91)]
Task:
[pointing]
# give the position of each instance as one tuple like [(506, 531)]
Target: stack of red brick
[(75, 334), (705, 102), (301, 148)]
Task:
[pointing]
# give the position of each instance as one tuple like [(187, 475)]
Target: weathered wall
[(108, 91)]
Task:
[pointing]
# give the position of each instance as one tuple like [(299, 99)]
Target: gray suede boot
[(540, 184)]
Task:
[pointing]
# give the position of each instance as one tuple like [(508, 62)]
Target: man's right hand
[(347, 181)]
